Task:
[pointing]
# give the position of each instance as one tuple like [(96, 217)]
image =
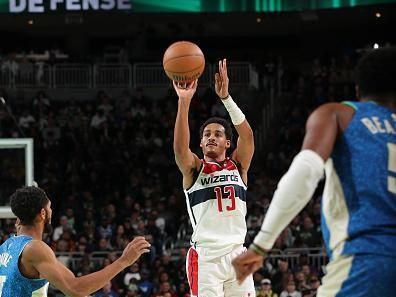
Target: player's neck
[(32, 231), (218, 159)]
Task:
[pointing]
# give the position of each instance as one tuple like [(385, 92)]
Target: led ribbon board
[(172, 6)]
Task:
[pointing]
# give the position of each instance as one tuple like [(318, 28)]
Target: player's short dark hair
[(220, 121), (27, 202), (376, 72)]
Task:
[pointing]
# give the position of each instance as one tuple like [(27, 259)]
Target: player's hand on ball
[(185, 91), (221, 80), (134, 250), (247, 263)]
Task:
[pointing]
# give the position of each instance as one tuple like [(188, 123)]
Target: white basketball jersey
[(216, 204)]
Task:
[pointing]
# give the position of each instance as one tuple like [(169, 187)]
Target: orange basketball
[(183, 61)]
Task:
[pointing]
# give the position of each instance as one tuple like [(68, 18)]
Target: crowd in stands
[(107, 165)]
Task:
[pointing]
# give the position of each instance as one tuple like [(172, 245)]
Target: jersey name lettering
[(4, 259), (219, 179), (376, 125)]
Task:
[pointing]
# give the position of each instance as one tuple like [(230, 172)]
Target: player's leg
[(192, 271), (231, 286), (359, 276), (204, 277)]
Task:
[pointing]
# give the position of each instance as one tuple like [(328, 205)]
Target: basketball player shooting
[(215, 189), (354, 144)]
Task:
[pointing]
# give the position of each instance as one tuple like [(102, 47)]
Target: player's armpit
[(188, 169)]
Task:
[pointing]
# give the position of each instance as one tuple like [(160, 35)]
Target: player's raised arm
[(243, 153), (39, 256), (185, 159)]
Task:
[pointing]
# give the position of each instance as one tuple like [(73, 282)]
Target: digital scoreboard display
[(174, 6)]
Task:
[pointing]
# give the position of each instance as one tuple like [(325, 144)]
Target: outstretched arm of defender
[(39, 256), (185, 159), (243, 153)]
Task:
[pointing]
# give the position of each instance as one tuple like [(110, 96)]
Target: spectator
[(63, 225), (308, 236), (146, 287), (106, 291), (132, 287), (265, 289), (26, 120), (98, 119), (134, 272), (301, 281), (315, 283), (280, 275), (290, 290), (166, 289)]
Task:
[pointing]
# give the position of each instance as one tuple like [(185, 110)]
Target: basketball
[(183, 61)]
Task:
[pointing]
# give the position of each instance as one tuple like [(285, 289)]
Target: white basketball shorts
[(216, 277)]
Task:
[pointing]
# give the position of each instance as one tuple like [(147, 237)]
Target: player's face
[(214, 142)]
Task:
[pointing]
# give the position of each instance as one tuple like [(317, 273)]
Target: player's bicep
[(58, 275), (321, 131), (44, 261)]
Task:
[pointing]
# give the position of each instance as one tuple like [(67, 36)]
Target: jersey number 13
[(229, 193)]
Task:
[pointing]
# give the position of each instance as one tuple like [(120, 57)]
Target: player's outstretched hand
[(246, 263), (138, 246), (221, 80), (185, 91)]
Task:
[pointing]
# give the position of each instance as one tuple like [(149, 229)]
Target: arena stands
[(103, 132)]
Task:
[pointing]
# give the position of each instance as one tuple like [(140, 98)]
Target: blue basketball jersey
[(359, 199), (12, 282)]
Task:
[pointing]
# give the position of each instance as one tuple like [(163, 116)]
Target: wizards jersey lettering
[(216, 204)]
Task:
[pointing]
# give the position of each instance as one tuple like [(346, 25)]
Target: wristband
[(236, 114), (258, 250)]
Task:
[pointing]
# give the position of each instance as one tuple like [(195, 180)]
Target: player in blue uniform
[(27, 264), (355, 145)]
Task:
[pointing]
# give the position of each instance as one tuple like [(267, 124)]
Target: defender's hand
[(246, 263), (221, 80), (134, 250), (185, 91)]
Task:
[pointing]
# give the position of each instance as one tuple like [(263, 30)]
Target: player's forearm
[(88, 284), (181, 140), (294, 191)]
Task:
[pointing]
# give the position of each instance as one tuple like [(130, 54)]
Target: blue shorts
[(359, 276)]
